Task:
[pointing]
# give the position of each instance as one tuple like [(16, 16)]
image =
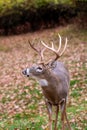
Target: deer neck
[(50, 78)]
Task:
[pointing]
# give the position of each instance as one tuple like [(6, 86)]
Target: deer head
[(42, 67)]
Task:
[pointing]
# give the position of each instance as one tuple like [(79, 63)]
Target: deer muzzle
[(26, 72)]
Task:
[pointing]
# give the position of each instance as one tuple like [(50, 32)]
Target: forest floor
[(22, 104)]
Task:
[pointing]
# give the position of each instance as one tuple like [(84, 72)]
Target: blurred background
[(21, 16), (22, 104)]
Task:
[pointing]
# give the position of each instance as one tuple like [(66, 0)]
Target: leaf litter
[(20, 95)]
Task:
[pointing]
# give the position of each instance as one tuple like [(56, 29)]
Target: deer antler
[(53, 49), (40, 52)]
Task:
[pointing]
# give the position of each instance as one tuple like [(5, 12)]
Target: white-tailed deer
[(54, 80)]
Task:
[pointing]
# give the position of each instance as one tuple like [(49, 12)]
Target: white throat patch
[(43, 82)]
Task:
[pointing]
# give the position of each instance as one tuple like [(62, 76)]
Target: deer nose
[(26, 72)]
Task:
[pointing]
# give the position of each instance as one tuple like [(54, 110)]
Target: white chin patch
[(43, 82)]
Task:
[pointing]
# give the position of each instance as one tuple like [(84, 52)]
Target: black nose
[(24, 72)]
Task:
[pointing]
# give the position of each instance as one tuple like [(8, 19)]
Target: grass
[(34, 121), (23, 124)]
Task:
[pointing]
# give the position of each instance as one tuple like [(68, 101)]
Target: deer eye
[(39, 69)]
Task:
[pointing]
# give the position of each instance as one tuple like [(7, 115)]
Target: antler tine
[(46, 45), (40, 52), (52, 45), (64, 47), (59, 43), (31, 45), (42, 56), (54, 50)]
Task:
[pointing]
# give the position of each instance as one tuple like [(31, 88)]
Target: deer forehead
[(43, 82)]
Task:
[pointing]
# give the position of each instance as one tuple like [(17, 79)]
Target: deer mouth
[(28, 76)]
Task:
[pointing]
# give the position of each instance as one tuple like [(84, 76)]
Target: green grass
[(23, 121), (23, 124), (34, 121)]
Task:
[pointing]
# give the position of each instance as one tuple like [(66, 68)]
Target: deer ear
[(51, 64)]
